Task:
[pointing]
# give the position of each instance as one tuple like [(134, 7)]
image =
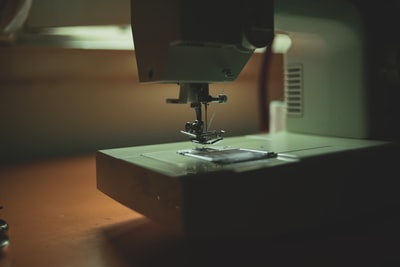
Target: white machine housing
[(342, 71), (325, 85)]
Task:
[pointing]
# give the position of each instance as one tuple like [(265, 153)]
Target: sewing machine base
[(313, 180)]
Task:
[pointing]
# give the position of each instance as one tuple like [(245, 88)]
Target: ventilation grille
[(294, 90)]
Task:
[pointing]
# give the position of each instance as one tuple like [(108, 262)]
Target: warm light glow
[(280, 45), (93, 37)]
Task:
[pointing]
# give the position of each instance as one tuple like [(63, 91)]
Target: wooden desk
[(57, 217)]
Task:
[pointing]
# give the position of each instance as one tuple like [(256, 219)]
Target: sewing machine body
[(328, 167), (313, 181)]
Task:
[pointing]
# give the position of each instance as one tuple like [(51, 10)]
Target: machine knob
[(222, 98), (3, 226)]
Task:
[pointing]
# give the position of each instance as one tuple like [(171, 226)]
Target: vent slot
[(294, 90)]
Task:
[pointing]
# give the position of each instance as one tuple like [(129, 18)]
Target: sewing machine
[(333, 162)]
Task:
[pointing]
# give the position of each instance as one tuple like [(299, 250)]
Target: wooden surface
[(57, 217)]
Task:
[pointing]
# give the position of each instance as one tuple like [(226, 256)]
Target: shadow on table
[(142, 242)]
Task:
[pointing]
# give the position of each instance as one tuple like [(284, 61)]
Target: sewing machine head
[(329, 68), (195, 43)]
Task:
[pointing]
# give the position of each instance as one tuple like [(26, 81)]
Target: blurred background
[(69, 84)]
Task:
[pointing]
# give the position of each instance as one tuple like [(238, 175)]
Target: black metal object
[(4, 240)]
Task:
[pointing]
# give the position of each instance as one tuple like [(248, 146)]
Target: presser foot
[(205, 138)]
